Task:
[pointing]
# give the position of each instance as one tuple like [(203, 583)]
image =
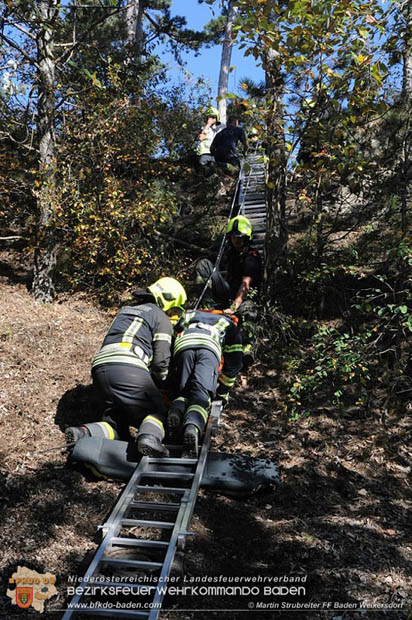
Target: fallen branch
[(11, 238), (190, 246)]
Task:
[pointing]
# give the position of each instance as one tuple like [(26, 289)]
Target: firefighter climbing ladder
[(158, 486), (165, 477)]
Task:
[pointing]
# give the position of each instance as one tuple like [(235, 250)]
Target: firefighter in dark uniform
[(202, 338), (232, 292), (131, 367)]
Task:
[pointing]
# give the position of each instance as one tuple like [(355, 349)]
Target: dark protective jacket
[(239, 266), (141, 336), (226, 140), (217, 333)]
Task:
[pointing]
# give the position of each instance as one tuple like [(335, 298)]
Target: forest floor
[(340, 519)]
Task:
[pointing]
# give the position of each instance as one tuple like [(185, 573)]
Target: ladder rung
[(173, 461), (154, 506), (167, 525), (136, 563), (139, 542), (168, 474), (157, 489)]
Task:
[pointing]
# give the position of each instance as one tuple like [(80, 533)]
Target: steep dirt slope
[(341, 517)]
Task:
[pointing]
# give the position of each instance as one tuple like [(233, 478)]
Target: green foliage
[(358, 356), (102, 124), (115, 193), (324, 92), (333, 370)]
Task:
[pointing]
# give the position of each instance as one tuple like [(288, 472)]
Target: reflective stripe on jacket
[(141, 336), (216, 332), (203, 146)]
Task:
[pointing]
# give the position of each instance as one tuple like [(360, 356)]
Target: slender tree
[(406, 165), (407, 49), (47, 248), (227, 46), (277, 237), (134, 23)]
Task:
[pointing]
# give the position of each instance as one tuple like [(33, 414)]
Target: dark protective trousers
[(220, 295), (196, 372), (227, 157), (129, 397), (218, 287)]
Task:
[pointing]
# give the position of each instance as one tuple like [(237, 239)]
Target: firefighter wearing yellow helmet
[(237, 291), (131, 367), (206, 136)]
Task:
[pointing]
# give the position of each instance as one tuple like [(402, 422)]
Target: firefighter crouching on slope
[(131, 366), (237, 291), (201, 339)]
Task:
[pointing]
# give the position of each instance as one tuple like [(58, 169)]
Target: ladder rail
[(111, 528), (252, 199), (188, 506)]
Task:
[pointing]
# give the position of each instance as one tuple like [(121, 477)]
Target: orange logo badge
[(24, 597)]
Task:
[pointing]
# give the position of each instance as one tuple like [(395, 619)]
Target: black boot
[(73, 434), (174, 422), (190, 442), (149, 445)]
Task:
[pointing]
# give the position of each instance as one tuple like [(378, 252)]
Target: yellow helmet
[(211, 111), (240, 226), (168, 293)]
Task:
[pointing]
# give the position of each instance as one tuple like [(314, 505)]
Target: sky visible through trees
[(207, 62)]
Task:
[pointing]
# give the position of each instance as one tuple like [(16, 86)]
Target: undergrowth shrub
[(357, 358)]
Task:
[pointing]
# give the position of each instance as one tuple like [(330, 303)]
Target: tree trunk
[(407, 101), (134, 23), (225, 61), (406, 51), (276, 233), (47, 247)]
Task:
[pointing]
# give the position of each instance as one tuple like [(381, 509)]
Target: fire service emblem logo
[(32, 589), (24, 597)]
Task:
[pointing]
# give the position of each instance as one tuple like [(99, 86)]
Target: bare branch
[(21, 51), (24, 31)]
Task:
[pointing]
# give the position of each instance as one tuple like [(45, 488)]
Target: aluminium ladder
[(251, 199), (156, 476)]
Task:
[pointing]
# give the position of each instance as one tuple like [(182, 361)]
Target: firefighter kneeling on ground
[(202, 339), (131, 367)]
